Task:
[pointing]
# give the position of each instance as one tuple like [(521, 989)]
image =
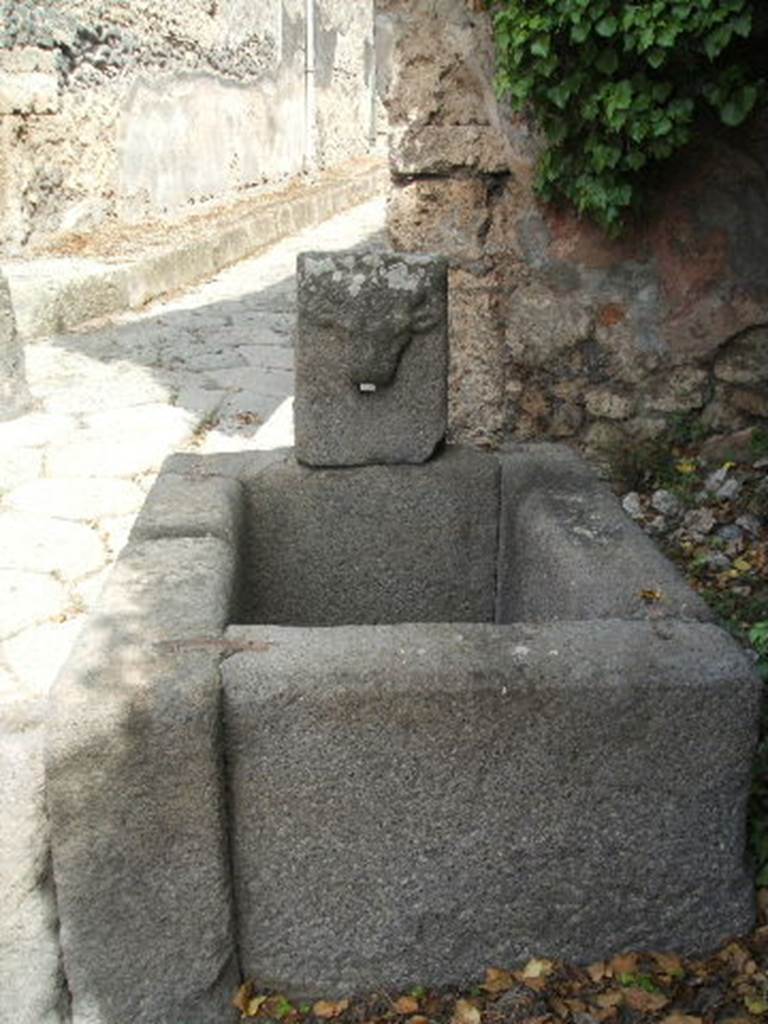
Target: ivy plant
[(617, 87)]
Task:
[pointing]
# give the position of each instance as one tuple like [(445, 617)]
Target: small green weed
[(643, 981)]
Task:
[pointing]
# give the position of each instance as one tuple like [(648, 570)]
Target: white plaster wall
[(123, 111)]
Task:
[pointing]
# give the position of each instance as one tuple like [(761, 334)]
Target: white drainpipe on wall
[(309, 87)]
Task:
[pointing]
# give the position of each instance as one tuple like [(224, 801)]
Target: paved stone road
[(211, 370)]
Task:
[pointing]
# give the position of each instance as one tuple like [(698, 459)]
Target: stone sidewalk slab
[(208, 370)]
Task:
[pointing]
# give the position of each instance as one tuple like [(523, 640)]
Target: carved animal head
[(377, 324)]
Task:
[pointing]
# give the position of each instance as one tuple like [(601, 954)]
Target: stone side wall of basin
[(358, 806), (556, 331)]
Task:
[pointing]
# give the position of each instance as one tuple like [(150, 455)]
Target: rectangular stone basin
[(343, 729)]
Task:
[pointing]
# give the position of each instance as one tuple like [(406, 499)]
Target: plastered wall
[(127, 110)]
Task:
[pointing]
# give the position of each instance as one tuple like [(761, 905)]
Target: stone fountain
[(381, 711)]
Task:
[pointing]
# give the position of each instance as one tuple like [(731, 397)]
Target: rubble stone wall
[(557, 331), (122, 111)]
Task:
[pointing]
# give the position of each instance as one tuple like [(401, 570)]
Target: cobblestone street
[(209, 370)]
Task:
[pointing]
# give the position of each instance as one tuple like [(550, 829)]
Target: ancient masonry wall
[(555, 331), (121, 111)]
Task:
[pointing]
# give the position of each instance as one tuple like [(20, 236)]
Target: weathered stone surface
[(608, 404), (744, 360), (30, 92), (680, 390), (412, 803), (135, 794), (444, 215), (567, 550), (183, 506), (659, 304), (31, 978), (374, 543), (437, 149), (235, 465), (14, 396), (372, 356), (476, 377)]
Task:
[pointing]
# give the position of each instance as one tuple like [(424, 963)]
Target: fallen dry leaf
[(624, 963), (406, 1005), (735, 954), (327, 1011), (598, 971), (246, 1002), (465, 1013), (576, 1005), (680, 1018), (670, 964), (242, 996), (537, 969), (644, 1002), (610, 998), (604, 1013), (497, 980), (418, 1020), (560, 1008)]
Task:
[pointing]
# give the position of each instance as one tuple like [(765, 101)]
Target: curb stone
[(57, 294)]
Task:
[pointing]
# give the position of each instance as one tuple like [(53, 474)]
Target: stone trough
[(379, 712)]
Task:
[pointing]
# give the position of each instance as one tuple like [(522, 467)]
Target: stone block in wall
[(444, 58), (682, 389), (744, 359), (29, 82), (439, 149), (476, 373), (753, 401), (542, 326), (442, 215), (721, 414), (606, 403)]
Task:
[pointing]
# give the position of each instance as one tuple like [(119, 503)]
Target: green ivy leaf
[(736, 110), (607, 26), (608, 110)]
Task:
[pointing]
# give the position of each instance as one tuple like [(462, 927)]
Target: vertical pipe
[(309, 86)]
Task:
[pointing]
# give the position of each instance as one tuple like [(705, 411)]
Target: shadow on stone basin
[(450, 732)]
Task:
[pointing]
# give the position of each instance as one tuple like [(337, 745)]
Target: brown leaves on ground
[(729, 987), (329, 1011)]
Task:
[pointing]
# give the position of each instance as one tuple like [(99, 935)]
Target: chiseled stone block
[(568, 551), (397, 543), (136, 798), (371, 358), (413, 803)]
